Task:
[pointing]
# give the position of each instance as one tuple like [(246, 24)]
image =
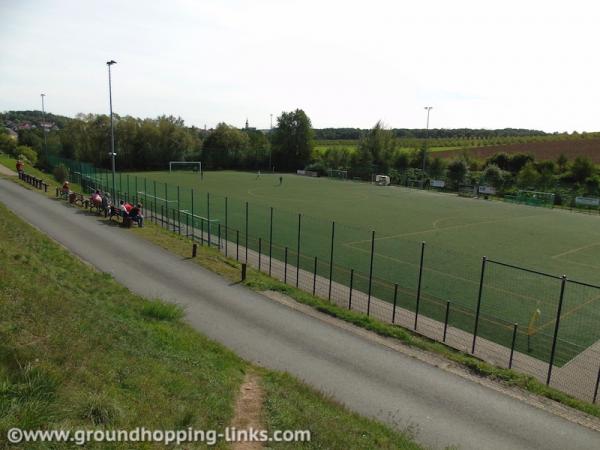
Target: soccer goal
[(335, 173), (194, 166), (534, 198)]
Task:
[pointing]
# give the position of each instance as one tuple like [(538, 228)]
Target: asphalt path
[(440, 407)]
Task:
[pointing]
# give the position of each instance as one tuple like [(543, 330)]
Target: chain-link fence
[(540, 324)]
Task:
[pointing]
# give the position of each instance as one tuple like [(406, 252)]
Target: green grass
[(78, 350), (458, 232)]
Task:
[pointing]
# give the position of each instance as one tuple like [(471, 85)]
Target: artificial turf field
[(457, 231)]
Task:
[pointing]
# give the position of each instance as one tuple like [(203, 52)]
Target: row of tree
[(151, 143)]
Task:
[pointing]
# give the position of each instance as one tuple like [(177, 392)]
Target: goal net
[(534, 198), (188, 166), (336, 173)]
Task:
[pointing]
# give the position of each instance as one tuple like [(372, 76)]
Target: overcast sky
[(480, 64)]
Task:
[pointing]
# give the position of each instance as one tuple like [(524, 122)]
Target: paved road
[(368, 377)]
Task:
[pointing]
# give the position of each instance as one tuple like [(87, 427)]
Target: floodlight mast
[(428, 109), (112, 130), (44, 129)]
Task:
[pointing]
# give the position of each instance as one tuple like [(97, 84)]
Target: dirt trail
[(248, 410), (6, 171)]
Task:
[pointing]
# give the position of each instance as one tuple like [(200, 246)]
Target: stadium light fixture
[(428, 109), (44, 128), (112, 131), (271, 146)]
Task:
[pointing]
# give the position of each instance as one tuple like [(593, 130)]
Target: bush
[(457, 172), (27, 153), (318, 167), (61, 173)]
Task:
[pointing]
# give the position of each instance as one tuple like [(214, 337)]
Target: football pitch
[(457, 233)]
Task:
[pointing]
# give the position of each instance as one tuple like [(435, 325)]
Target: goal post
[(337, 173), (195, 166)]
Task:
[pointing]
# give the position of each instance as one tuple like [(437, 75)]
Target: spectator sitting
[(20, 166), (123, 209), (136, 215), (65, 189), (96, 199)]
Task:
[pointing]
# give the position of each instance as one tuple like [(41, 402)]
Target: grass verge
[(78, 350)]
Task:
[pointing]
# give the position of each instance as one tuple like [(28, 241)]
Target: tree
[(23, 151), (292, 140), (528, 176), (457, 171), (225, 147), (517, 161), (8, 145), (501, 160), (257, 155), (437, 168), (561, 161), (493, 175), (380, 143), (581, 169)]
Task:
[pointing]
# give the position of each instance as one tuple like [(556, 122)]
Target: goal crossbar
[(198, 163)]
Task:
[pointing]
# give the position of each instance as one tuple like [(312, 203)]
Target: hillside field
[(542, 151)]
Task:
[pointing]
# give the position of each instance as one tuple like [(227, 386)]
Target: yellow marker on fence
[(533, 326)]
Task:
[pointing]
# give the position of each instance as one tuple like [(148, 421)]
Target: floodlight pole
[(428, 109), (271, 143), (112, 130), (44, 129)]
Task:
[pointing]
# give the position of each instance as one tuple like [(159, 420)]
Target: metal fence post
[(237, 245), (563, 283), (446, 320), (208, 224), (371, 272), (246, 232), (187, 225), (285, 266), (167, 203), (178, 212), (596, 388), (193, 219), (145, 193), (512, 345), (419, 284), (219, 235), (395, 300), (331, 260), (155, 205), (270, 240), (259, 252), (162, 216), (226, 227), (315, 278), (201, 230), (351, 283), (298, 250), (483, 260)]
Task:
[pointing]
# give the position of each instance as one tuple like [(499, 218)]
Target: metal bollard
[(243, 271), (194, 249)]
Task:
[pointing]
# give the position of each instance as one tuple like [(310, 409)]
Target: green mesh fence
[(446, 296)]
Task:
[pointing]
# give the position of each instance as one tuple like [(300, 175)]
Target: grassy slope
[(79, 350)]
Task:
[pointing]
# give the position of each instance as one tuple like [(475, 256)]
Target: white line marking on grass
[(575, 250)]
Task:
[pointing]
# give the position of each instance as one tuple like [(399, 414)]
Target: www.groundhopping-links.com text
[(141, 434)]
